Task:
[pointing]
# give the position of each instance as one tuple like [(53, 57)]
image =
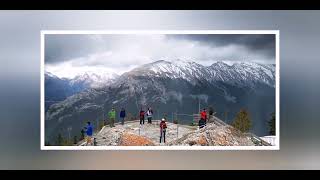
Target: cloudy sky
[(68, 55)]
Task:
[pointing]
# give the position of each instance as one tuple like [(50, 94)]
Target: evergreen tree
[(272, 124), (59, 140), (242, 121)]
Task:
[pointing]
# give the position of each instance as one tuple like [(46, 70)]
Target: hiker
[(89, 132), (204, 115), (203, 118), (95, 142), (163, 127), (149, 115), (141, 116), (112, 117), (122, 115)]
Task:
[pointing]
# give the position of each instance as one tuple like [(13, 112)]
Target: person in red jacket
[(141, 114), (163, 127), (204, 115), (203, 118)]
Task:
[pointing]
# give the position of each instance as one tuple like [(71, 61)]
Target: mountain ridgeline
[(170, 87), (58, 89)]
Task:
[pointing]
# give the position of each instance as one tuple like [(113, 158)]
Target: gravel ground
[(111, 136)]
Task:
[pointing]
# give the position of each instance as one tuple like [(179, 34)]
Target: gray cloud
[(263, 43), (64, 47), (61, 48), (72, 54)]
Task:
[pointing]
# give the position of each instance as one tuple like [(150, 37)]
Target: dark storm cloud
[(63, 47), (127, 50), (263, 43)]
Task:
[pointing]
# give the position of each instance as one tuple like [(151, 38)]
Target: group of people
[(147, 114), (142, 114), (112, 116)]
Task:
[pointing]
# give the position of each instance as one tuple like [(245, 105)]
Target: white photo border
[(42, 110)]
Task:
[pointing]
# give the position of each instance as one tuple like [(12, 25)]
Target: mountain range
[(168, 87), (58, 89)]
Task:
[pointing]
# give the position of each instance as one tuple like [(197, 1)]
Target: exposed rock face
[(213, 135), (129, 139), (111, 137)]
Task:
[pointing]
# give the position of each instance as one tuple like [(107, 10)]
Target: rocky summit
[(214, 135), (134, 134)]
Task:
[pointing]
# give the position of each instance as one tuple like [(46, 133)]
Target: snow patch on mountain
[(236, 73), (94, 80)]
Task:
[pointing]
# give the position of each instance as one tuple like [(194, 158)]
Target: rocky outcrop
[(214, 135), (129, 139), (110, 137), (131, 134)]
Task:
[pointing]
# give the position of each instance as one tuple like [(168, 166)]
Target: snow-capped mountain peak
[(93, 79), (238, 73)]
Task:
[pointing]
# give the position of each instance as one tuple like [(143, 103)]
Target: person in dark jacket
[(141, 116), (163, 128), (122, 115)]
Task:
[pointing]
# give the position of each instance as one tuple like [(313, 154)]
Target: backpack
[(163, 126), (141, 113)]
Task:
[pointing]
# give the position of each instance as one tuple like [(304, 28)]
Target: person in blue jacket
[(89, 132), (122, 115)]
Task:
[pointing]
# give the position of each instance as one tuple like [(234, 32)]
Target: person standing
[(149, 115), (203, 117), (89, 132), (141, 116), (163, 128), (122, 115), (112, 117)]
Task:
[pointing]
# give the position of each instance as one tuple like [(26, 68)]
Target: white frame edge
[(42, 110)]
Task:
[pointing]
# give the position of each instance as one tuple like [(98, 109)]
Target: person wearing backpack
[(141, 116), (163, 128), (112, 117), (89, 132), (122, 115), (149, 115), (203, 118)]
